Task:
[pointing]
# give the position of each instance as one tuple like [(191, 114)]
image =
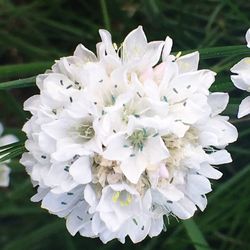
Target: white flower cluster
[(4, 169), (241, 79), (118, 140)]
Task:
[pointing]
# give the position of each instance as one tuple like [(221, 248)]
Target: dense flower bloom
[(118, 140), (4, 169), (241, 79)]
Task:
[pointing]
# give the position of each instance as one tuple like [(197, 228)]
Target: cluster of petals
[(241, 79), (120, 140), (4, 169)]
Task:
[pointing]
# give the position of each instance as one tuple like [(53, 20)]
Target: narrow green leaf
[(21, 83), (195, 235), (12, 154), (23, 70), (217, 52), (105, 14), (11, 145)]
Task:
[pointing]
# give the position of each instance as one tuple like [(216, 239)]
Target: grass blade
[(196, 235), (21, 83), (23, 70)]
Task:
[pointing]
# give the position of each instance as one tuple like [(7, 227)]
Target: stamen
[(138, 138), (115, 196), (175, 90), (86, 131)]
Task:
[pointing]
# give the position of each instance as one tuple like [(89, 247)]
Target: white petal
[(133, 167), (59, 178), (155, 150), (134, 45), (1, 129), (188, 62), (80, 170), (207, 138), (78, 218), (107, 235), (195, 109), (4, 176), (8, 139), (90, 196), (112, 222), (98, 225), (248, 38), (222, 132), (139, 230), (198, 199), (198, 184), (117, 149), (184, 209), (242, 66), (185, 85), (156, 226), (58, 129), (244, 108), (152, 55), (218, 102), (85, 54), (66, 150), (239, 82), (56, 203), (41, 193), (107, 40), (46, 143), (210, 172), (220, 157), (167, 48), (171, 193), (32, 104)]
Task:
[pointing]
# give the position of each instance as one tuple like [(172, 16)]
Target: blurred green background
[(33, 33)]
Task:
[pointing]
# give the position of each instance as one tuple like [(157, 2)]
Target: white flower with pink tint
[(120, 139)]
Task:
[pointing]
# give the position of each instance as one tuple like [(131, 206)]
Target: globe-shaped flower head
[(119, 140)]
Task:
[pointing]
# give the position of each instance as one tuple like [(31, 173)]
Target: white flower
[(4, 169), (241, 79), (119, 140)]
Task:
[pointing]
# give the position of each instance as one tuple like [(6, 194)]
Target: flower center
[(138, 138), (86, 131), (123, 197)]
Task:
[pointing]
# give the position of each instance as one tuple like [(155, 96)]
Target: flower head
[(241, 79), (119, 140)]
